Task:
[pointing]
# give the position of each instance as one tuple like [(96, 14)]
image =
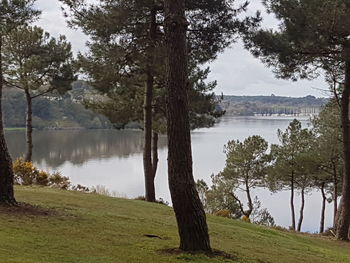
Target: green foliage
[(312, 35), (329, 151), (51, 111), (119, 68), (14, 13), (37, 63), (293, 159), (215, 200)]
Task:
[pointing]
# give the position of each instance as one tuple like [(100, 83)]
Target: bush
[(27, 174), (42, 178), (224, 213), (59, 181)]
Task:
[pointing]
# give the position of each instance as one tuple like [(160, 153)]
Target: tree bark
[(292, 201), (155, 158), (6, 172), (343, 217), (190, 215), (323, 210), (150, 195), (301, 216), (335, 195), (29, 127), (250, 201)]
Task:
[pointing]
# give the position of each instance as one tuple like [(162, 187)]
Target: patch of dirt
[(214, 254), (22, 209)]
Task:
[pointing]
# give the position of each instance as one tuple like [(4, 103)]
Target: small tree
[(329, 156), (246, 164), (38, 65), (292, 165), (12, 14)]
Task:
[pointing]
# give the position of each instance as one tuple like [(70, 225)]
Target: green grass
[(15, 129), (92, 228)]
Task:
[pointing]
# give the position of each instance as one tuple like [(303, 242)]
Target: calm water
[(114, 159)]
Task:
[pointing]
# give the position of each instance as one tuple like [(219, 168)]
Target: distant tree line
[(271, 105), (51, 112)]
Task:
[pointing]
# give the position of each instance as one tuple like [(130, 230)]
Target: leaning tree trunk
[(250, 201), (301, 216), (323, 210), (6, 172), (29, 127), (190, 215), (292, 201), (343, 217), (150, 195)]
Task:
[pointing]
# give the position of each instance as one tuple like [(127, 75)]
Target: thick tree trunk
[(335, 195), (323, 210), (190, 215), (292, 202), (150, 195), (6, 172), (29, 127), (343, 217), (301, 216)]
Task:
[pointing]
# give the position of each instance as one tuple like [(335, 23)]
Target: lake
[(113, 159)]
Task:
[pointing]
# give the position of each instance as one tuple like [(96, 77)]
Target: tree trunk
[(323, 210), (190, 215), (29, 127), (343, 218), (250, 201), (155, 154), (301, 216), (335, 195), (6, 172), (150, 195), (292, 202)]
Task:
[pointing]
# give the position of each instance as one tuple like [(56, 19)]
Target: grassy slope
[(15, 129), (91, 228)]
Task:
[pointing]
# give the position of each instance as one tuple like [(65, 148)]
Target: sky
[(236, 70)]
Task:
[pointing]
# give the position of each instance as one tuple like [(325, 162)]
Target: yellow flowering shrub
[(25, 172)]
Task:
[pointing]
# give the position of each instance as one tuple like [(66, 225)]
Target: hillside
[(53, 112), (77, 227), (269, 105)]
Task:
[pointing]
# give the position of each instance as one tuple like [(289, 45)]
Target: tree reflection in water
[(78, 146)]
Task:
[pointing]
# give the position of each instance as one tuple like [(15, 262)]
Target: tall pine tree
[(129, 37)]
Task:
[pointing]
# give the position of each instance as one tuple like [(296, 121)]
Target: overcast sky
[(236, 70)]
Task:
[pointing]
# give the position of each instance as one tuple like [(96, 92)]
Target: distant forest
[(68, 112), (271, 105), (53, 111)]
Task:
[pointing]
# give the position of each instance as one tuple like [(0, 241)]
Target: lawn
[(77, 227), (15, 129)]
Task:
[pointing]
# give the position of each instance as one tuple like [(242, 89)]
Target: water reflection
[(54, 148)]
